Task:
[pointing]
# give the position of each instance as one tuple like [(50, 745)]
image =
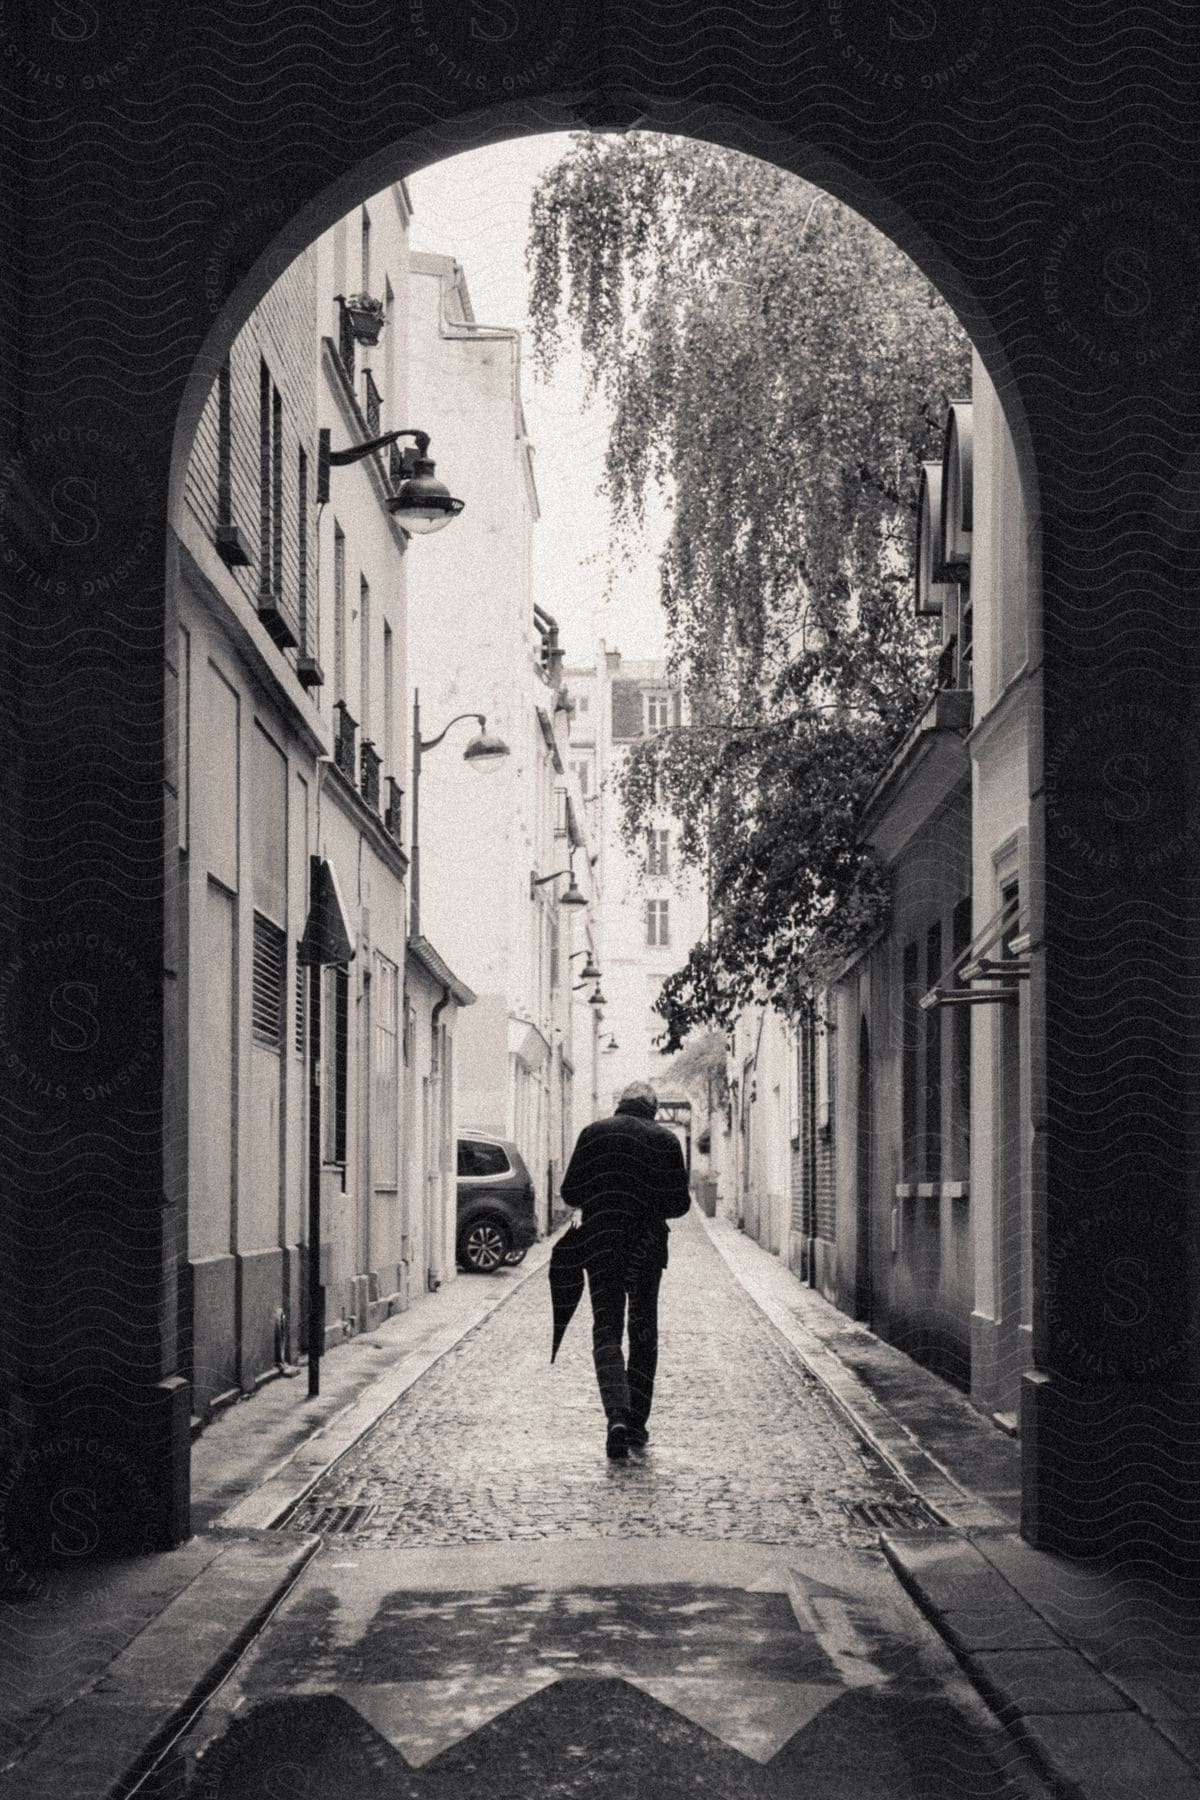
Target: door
[(862, 1178)]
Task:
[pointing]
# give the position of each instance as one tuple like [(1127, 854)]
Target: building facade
[(289, 583), (498, 846), (913, 1134)]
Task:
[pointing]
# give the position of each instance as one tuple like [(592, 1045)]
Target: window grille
[(270, 967), (372, 405)]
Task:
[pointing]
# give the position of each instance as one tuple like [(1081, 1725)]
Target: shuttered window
[(270, 970), (302, 979), (335, 1065), (386, 1121)]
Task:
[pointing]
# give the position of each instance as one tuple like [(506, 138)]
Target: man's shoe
[(618, 1439), (638, 1436)]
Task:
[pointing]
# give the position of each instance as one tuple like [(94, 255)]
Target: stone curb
[(287, 1485), (102, 1745), (1081, 1730), (767, 1286)]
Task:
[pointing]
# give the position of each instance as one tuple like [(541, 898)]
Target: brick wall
[(282, 332)]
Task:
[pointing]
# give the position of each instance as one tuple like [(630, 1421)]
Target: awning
[(953, 986), (427, 958), (328, 935)]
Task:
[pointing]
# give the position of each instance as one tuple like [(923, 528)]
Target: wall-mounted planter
[(366, 316)]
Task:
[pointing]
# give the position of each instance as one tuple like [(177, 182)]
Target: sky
[(475, 207)]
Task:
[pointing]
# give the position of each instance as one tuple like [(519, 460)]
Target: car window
[(481, 1159)]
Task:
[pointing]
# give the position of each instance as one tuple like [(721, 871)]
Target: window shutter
[(270, 966), (301, 1007)]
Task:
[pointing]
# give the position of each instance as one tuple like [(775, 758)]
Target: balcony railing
[(343, 739), (346, 339), (372, 404), (391, 818), (946, 669), (368, 779)]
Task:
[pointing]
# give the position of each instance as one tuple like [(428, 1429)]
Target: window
[(385, 1133), (960, 1057), (335, 1022), (658, 851), (339, 612), (657, 931), (583, 772), (476, 1158), (364, 655), (270, 482), (302, 542), (366, 251), (302, 979), (389, 701), (933, 1060), (656, 711), (585, 704), (224, 447), (555, 951), (909, 1059), (270, 969)]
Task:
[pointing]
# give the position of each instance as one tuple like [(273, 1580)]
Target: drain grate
[(893, 1515), (342, 1517)]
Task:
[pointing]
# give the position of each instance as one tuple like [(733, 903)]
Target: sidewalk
[(103, 1664), (1097, 1672)]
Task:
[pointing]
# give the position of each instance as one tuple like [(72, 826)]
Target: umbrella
[(566, 1281)]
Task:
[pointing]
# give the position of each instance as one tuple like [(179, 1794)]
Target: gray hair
[(641, 1090)]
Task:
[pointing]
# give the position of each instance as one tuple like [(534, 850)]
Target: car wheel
[(514, 1257), (484, 1245)]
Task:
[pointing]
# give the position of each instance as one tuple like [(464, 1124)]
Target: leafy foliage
[(777, 371)]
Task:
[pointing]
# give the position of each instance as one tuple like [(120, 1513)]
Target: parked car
[(496, 1221)]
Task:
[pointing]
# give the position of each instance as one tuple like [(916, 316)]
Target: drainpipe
[(433, 1278)]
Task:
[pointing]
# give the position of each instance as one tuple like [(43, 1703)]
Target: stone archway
[(177, 171)]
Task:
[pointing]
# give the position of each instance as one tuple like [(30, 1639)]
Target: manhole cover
[(893, 1515), (329, 1518)]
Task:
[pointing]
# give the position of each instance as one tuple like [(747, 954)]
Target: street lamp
[(483, 752), (421, 502), (597, 999), (589, 971), (572, 894)]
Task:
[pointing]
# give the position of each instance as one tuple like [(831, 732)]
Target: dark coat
[(627, 1174), (627, 1177)]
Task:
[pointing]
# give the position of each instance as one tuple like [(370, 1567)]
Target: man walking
[(627, 1177)]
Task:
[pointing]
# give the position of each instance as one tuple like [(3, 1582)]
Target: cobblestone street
[(506, 1611), (494, 1443)]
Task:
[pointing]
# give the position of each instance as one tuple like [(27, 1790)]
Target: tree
[(777, 371)]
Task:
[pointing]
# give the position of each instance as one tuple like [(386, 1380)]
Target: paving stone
[(1021, 1682), (493, 1443), (1110, 1756), (1008, 1626)]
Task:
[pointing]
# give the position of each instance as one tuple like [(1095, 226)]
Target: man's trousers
[(627, 1390)]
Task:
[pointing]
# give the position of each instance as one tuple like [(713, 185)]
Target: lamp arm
[(480, 718), (339, 458)]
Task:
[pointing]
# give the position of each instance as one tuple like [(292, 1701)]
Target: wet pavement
[(511, 1614), (493, 1443)]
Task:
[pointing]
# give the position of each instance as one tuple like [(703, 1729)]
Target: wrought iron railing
[(946, 664), (345, 339), (343, 739), (368, 780), (372, 404), (392, 818)]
